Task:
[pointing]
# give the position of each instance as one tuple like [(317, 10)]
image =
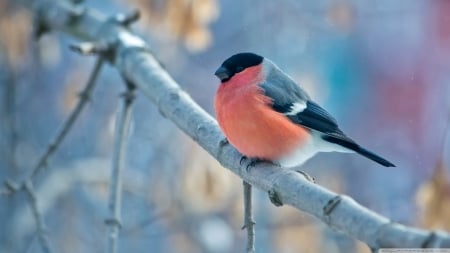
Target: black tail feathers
[(374, 157), (342, 140)]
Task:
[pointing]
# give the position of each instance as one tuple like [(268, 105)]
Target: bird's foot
[(251, 162), (223, 142), (243, 158)]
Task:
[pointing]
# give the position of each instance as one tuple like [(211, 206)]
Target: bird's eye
[(239, 69)]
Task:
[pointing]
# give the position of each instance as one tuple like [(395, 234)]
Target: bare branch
[(40, 224), (138, 65), (27, 184), (249, 223), (115, 190), (84, 98), (10, 117)]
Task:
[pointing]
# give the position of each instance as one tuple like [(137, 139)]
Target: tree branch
[(27, 184), (249, 223), (137, 64), (40, 224), (115, 190), (84, 95), (84, 99)]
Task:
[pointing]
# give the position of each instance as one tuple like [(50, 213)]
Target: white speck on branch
[(139, 66)]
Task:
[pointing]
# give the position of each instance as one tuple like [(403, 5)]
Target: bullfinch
[(266, 115)]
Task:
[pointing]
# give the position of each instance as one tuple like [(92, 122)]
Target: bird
[(267, 116)]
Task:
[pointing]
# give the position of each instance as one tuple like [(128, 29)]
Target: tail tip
[(388, 164), (375, 157)]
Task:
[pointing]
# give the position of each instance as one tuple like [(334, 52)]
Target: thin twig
[(40, 224), (10, 100), (4, 192), (249, 223), (115, 190), (27, 184), (84, 98)]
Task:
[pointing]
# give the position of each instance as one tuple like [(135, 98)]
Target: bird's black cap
[(236, 64)]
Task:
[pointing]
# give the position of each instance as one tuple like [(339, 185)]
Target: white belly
[(314, 145)]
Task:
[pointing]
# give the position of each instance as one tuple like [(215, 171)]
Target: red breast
[(250, 124)]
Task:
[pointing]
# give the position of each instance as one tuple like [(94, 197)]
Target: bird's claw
[(252, 162), (243, 158), (223, 142)]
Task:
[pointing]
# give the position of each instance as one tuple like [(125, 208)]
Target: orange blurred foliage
[(433, 199), (205, 186), (15, 27), (186, 20), (341, 14)]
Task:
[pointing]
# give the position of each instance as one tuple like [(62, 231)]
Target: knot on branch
[(330, 206), (248, 224), (307, 176), (173, 97), (75, 14), (113, 222), (436, 239), (274, 198), (129, 96), (11, 186), (102, 48), (84, 95), (39, 26), (126, 19), (429, 241)]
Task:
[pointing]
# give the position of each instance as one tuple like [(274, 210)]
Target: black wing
[(285, 94), (316, 118)]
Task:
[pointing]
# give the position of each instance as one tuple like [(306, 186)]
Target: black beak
[(223, 74)]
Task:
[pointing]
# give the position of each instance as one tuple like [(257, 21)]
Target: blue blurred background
[(382, 68)]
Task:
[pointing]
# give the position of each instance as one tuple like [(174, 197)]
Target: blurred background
[(382, 68)]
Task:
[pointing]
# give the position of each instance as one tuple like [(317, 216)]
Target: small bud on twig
[(11, 186), (90, 48), (128, 18)]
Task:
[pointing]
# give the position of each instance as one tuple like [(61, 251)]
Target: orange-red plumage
[(248, 121)]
